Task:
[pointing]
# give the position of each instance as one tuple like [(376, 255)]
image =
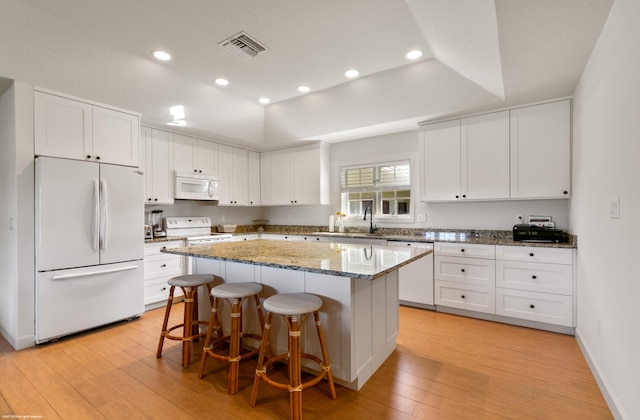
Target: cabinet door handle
[(532, 306), (462, 296), (534, 277), (464, 195), (163, 289), (88, 156), (565, 192), (531, 254), (462, 250), (97, 157), (462, 270), (163, 265), (457, 196)]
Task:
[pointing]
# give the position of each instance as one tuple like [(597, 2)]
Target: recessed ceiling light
[(222, 82), (303, 88), (264, 101), (162, 55), (177, 112), (352, 73), (414, 54)]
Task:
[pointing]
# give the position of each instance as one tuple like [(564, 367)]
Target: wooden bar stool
[(234, 294), (189, 284), (294, 309)]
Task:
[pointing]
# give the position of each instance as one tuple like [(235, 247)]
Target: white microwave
[(196, 187)]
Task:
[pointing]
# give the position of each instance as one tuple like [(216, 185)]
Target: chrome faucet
[(371, 228)]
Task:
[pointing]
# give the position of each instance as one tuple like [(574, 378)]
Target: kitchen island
[(358, 285)]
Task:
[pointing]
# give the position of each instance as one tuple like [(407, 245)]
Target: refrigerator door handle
[(94, 273), (96, 215), (103, 214)]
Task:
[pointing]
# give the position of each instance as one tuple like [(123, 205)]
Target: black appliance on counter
[(528, 233)]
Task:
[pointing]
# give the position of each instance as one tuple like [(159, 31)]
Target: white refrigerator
[(89, 245)]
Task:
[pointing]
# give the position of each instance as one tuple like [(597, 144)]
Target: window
[(385, 187)]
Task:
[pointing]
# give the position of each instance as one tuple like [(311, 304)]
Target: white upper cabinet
[(296, 175), (254, 178), (73, 129), (282, 177), (158, 166), (485, 156), (193, 155), (524, 153), (467, 159), (233, 166), (311, 174), (440, 150), (541, 151)]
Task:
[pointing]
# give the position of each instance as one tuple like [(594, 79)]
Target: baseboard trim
[(607, 393), (18, 343), (561, 329)]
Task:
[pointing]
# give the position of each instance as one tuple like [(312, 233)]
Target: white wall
[(606, 160), (17, 201), (8, 239)]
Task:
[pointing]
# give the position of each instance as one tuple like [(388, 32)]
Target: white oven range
[(196, 230)]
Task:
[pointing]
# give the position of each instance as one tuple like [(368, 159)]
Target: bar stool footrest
[(285, 385), (225, 357)]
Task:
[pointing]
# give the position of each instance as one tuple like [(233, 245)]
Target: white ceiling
[(479, 55)]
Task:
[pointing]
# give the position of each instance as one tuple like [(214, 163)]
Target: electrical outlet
[(519, 219), (422, 218)]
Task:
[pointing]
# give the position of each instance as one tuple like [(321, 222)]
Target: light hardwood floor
[(445, 367)]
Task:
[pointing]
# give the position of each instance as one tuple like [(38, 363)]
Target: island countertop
[(347, 260)]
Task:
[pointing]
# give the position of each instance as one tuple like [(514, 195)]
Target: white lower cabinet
[(415, 280), (158, 269), (535, 284), (463, 281), (510, 283)]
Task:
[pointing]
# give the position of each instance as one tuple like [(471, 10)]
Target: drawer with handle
[(533, 306), (163, 266), (465, 270), (535, 277), (465, 296), (465, 250), (535, 254), (155, 291)]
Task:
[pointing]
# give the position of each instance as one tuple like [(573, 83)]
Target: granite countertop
[(347, 260), (469, 236)]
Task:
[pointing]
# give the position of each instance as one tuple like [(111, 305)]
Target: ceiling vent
[(243, 46)]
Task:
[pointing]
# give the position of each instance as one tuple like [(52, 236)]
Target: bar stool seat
[(234, 294), (294, 309), (189, 284)]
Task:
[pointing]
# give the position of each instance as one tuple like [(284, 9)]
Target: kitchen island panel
[(335, 317), (358, 286)]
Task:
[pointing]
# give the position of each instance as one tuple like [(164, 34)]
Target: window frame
[(378, 191)]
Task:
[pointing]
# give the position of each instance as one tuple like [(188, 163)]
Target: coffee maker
[(157, 224)]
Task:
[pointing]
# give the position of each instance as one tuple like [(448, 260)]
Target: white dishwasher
[(415, 280)]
